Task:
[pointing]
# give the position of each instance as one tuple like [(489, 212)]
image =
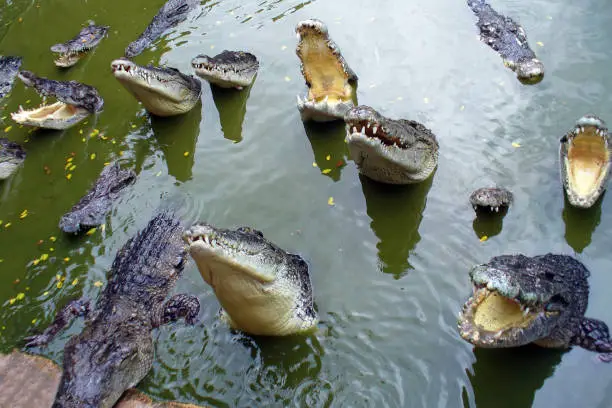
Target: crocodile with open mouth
[(9, 68), (115, 350), (491, 199), (585, 155), (92, 208), (75, 102), (263, 289), (163, 91), (229, 69), (171, 13), (12, 156), (518, 300), (331, 82), (390, 151), (509, 39), (71, 51)]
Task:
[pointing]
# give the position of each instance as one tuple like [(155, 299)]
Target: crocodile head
[(230, 69), (75, 101), (518, 300), (528, 70), (585, 161), (76, 48), (11, 157), (329, 79), (390, 151), (9, 68), (491, 199), (163, 91), (262, 289)]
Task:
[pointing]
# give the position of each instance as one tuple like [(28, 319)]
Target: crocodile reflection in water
[(580, 224), (328, 146), (399, 234), (231, 106)]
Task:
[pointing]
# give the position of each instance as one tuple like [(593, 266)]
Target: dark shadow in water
[(396, 213), (489, 225), (231, 105), (509, 378), (328, 146), (580, 223)]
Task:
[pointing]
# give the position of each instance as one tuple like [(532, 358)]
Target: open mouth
[(126, 69), (55, 116), (67, 60), (585, 156), (373, 130)]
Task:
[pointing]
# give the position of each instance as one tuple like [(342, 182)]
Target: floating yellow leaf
[(106, 163), (34, 321), (68, 160), (80, 131), (75, 281), (314, 164), (284, 47), (330, 201), (20, 19), (67, 259), (20, 296), (97, 284), (7, 129), (52, 238), (159, 173), (328, 157), (483, 238), (12, 300), (35, 262), (186, 154), (91, 231), (44, 257), (45, 293), (51, 249), (133, 126), (8, 224), (515, 144), (121, 153), (287, 79), (1, 260), (28, 101), (68, 176), (23, 214), (540, 43), (83, 140), (326, 171), (72, 168), (59, 284), (426, 100), (92, 156), (58, 277)]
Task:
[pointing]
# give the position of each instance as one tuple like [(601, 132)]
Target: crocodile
[(262, 289), (388, 150), (171, 13), (92, 208), (71, 51), (229, 69), (115, 349), (163, 91), (12, 156), (331, 82), (509, 39), (491, 199), (9, 68), (585, 156), (519, 300), (75, 102)]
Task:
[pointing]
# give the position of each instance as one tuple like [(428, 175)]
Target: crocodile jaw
[(56, 116), (230, 69), (529, 71), (67, 60)]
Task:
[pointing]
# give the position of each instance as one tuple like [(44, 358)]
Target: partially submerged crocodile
[(115, 349), (263, 289), (331, 82), (163, 91), (509, 39), (585, 156), (518, 300), (171, 13), (91, 210), (9, 68), (12, 156), (229, 69), (390, 151), (491, 199), (75, 102), (71, 51)]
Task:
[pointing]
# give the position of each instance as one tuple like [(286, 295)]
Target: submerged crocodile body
[(171, 13), (9, 68), (91, 210), (115, 349), (519, 300), (263, 289), (331, 82), (491, 199), (75, 102), (71, 51), (390, 151), (509, 39), (229, 69), (163, 91), (12, 156), (585, 157)]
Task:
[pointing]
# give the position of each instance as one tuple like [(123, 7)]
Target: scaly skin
[(229, 69), (76, 101), (263, 289), (171, 13), (331, 82), (585, 155), (91, 210), (9, 67), (508, 38), (390, 151), (163, 91), (12, 156), (519, 300), (115, 349), (491, 199), (71, 51)]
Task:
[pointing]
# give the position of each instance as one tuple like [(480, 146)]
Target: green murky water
[(389, 265)]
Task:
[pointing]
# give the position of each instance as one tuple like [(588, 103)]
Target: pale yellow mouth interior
[(322, 69), (587, 161), (68, 60), (495, 313), (58, 110)]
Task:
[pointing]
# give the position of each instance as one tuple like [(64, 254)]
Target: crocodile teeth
[(206, 239), (368, 125), (363, 130), (491, 209), (354, 129), (375, 129), (496, 209), (577, 131)]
